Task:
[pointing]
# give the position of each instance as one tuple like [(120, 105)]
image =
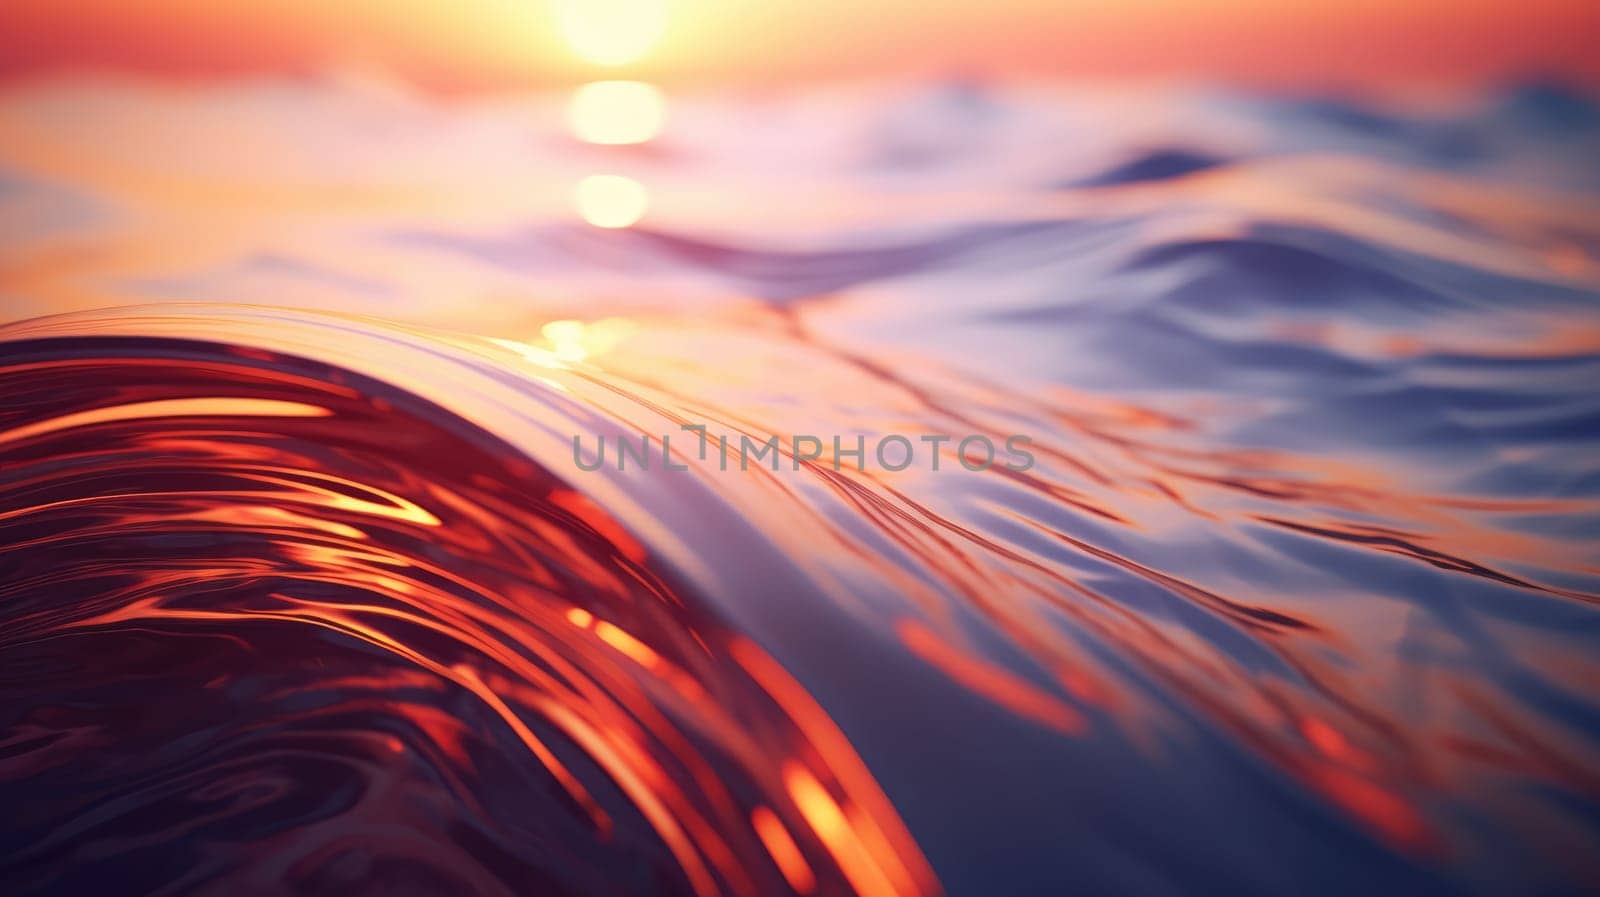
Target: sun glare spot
[(611, 200), (566, 339), (616, 112), (612, 32)]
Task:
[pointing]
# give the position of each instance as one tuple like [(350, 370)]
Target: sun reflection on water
[(613, 112), (611, 200), (616, 112)]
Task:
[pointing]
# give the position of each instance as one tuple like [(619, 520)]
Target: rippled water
[(308, 595)]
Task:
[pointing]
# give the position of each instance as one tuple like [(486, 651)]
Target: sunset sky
[(515, 43)]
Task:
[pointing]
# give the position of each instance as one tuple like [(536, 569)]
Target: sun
[(612, 32)]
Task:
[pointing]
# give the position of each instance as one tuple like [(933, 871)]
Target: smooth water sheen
[(301, 590)]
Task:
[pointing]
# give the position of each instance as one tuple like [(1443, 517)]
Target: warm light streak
[(199, 407), (827, 819), (624, 641), (783, 849), (883, 850)]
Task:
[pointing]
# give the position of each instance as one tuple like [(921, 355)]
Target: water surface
[(302, 590)]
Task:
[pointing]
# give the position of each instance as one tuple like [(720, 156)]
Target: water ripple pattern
[(301, 590)]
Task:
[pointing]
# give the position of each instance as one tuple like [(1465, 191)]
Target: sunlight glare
[(610, 200), (612, 32), (616, 112)]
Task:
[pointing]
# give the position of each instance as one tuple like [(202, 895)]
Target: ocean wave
[(1300, 593)]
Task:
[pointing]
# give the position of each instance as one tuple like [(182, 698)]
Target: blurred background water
[(302, 592)]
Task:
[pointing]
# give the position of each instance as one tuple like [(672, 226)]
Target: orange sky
[(452, 44)]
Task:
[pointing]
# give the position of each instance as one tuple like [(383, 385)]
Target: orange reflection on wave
[(267, 517), (1004, 688), (195, 407), (836, 832), (1379, 808), (473, 575), (593, 516), (329, 494), (616, 637), (469, 678), (1334, 745), (790, 861), (871, 844), (619, 638)]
